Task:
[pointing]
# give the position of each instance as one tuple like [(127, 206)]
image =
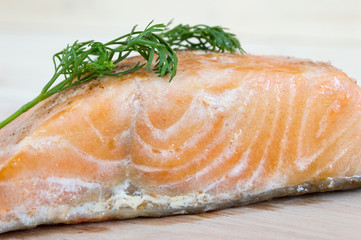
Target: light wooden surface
[(322, 30)]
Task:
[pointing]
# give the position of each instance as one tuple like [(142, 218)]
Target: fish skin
[(229, 130)]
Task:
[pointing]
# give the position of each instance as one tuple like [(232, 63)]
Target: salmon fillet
[(229, 130)]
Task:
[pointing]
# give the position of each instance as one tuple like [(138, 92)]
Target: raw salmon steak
[(229, 130)]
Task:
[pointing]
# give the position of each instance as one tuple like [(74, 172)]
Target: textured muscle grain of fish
[(229, 130)]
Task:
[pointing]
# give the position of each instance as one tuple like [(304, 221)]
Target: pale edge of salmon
[(124, 205)]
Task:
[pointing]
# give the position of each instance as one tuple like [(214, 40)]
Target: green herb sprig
[(202, 37), (84, 61)]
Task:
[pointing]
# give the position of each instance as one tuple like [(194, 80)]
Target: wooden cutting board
[(335, 215)]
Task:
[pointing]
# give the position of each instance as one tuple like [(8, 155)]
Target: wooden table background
[(322, 30)]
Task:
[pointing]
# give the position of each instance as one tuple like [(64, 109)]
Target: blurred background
[(32, 31)]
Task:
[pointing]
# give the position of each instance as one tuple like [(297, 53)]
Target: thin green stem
[(21, 110)]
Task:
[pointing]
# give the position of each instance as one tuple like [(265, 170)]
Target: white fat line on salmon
[(234, 172), (203, 130), (187, 120), (40, 144), (333, 107), (163, 155), (235, 120), (353, 159), (76, 104), (229, 153), (218, 140), (303, 162), (272, 136), (324, 122), (223, 102), (345, 149), (149, 150), (213, 79), (205, 105), (305, 114), (61, 186), (93, 128), (243, 162), (285, 136)]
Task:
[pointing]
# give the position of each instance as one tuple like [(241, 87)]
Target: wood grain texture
[(321, 30)]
